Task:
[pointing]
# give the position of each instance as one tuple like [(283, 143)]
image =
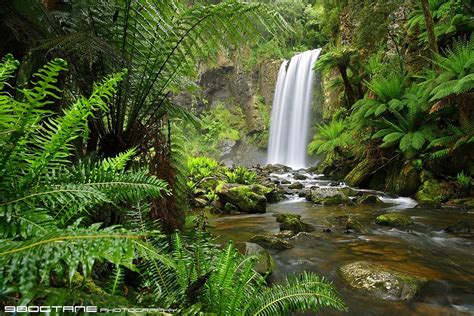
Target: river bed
[(424, 249)]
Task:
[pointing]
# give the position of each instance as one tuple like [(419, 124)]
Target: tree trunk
[(429, 26), (347, 85)]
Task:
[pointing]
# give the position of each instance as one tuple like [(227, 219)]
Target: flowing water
[(424, 249), (291, 111)]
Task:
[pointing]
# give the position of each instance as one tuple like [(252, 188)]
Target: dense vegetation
[(94, 176), (105, 179), (406, 100)]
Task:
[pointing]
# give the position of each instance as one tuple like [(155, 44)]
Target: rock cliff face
[(233, 85), (231, 82)]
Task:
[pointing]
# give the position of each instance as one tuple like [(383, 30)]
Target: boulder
[(276, 168), (330, 196), (293, 223), (230, 208), (265, 264), (458, 228), (299, 176), (271, 242), (369, 199), (394, 220), (270, 193), (380, 281), (243, 197), (433, 192), (296, 186)]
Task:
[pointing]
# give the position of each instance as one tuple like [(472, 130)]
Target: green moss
[(359, 173), (434, 192), (394, 220), (292, 222), (271, 242)]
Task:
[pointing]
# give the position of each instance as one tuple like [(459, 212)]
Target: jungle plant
[(388, 95), (223, 282), (410, 129), (449, 16), (452, 86), (202, 167), (464, 180), (331, 139), (342, 58), (240, 175), (160, 43), (451, 139), (46, 200)]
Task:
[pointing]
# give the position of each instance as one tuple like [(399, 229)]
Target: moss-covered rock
[(230, 208), (380, 281), (243, 197), (265, 264), (329, 196), (360, 173), (458, 228), (296, 186), (292, 222), (433, 192), (394, 220), (271, 242), (271, 193), (369, 199)]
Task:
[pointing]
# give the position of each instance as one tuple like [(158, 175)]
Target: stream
[(423, 249)]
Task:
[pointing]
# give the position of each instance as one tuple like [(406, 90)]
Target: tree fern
[(42, 191)]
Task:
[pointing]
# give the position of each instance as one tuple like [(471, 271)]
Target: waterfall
[(291, 110)]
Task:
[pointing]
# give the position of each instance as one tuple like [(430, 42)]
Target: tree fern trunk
[(429, 26), (347, 85)]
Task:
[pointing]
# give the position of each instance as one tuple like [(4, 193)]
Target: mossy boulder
[(458, 228), (271, 242), (328, 196), (369, 199), (300, 176), (243, 197), (434, 192), (271, 193), (230, 208), (296, 186), (292, 222), (380, 281), (394, 220), (265, 264)]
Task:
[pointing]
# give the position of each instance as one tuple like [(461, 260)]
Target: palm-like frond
[(299, 293)]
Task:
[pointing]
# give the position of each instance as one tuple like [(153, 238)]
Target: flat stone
[(380, 281)]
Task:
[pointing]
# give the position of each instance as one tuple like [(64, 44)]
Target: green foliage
[(240, 175), (219, 125), (450, 19), (330, 139), (41, 191), (464, 180), (457, 71), (389, 96), (223, 282), (202, 167)]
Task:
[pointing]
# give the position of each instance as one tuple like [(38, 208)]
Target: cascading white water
[(291, 111)]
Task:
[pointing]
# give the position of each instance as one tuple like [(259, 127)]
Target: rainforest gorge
[(237, 157)]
